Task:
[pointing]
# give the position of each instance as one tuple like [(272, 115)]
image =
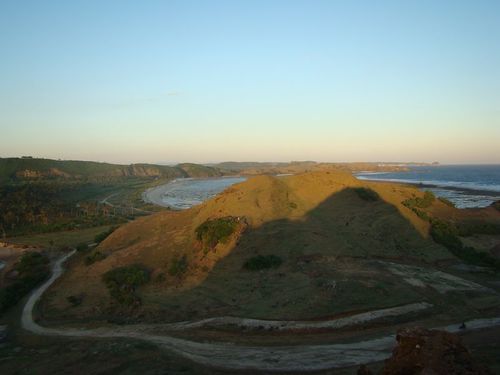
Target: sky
[(206, 81)]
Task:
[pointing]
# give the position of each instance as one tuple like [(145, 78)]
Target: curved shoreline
[(155, 194), (237, 357)]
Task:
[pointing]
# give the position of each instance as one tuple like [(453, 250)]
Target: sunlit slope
[(320, 225)]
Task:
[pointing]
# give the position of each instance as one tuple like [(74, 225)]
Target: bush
[(447, 235), (122, 282), (213, 232), (75, 300), (262, 262), (178, 266), (82, 247), (469, 229), (32, 268), (418, 202), (421, 214), (96, 256), (496, 205), (446, 202), (102, 236), (366, 194)]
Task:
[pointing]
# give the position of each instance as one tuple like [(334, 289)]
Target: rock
[(3, 333), (423, 351)]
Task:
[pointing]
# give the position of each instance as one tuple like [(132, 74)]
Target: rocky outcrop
[(423, 351)]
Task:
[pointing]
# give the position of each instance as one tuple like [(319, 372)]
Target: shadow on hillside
[(345, 231)]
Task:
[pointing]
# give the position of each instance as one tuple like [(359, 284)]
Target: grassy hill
[(295, 247)]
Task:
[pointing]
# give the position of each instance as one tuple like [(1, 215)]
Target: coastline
[(467, 191), (155, 194)]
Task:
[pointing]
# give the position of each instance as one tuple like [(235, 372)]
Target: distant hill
[(33, 169), (293, 167)]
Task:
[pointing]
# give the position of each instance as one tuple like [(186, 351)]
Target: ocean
[(184, 193), (467, 186)]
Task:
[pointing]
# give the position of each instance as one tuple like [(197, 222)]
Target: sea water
[(466, 186), (185, 193)]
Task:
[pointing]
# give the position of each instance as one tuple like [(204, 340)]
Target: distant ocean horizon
[(467, 186)]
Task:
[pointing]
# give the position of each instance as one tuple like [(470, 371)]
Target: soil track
[(237, 357)]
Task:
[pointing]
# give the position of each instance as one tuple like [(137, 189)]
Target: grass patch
[(96, 256), (82, 247), (496, 205), (447, 235), (469, 229), (123, 281), (178, 266), (262, 262), (64, 238), (32, 268), (103, 235), (366, 194), (446, 202), (215, 231), (418, 202)]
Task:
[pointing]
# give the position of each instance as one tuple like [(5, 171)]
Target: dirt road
[(237, 357)]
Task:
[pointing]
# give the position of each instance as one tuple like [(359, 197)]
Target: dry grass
[(315, 222)]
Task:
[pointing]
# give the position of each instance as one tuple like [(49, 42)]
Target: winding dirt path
[(237, 357)]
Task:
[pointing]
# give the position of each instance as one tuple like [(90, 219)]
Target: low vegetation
[(262, 262), (178, 266), (103, 235), (32, 269), (82, 247), (418, 202), (215, 231), (496, 205), (123, 281), (446, 202), (446, 234), (472, 228), (95, 256), (366, 194)]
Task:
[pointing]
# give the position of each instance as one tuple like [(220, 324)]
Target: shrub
[(447, 235), (418, 202), (366, 194), (96, 256), (32, 268), (469, 229), (75, 300), (215, 231), (421, 214), (446, 202), (262, 262), (122, 282), (82, 247), (102, 236), (178, 266), (496, 205)]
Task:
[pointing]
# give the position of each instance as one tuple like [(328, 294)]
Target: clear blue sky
[(150, 81)]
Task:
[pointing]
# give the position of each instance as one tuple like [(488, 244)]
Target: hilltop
[(296, 247)]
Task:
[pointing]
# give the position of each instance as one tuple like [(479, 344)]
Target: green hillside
[(15, 169)]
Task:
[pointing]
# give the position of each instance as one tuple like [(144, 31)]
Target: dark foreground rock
[(423, 351)]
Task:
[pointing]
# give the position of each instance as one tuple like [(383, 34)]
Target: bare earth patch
[(428, 277)]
